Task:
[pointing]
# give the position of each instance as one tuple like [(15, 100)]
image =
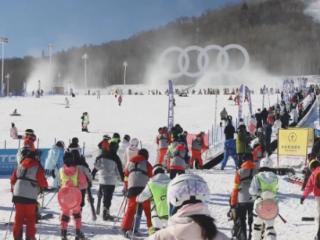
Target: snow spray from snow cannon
[(69, 197), (170, 107), (244, 94)]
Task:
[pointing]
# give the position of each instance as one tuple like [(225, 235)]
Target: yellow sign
[(310, 137), (293, 142)]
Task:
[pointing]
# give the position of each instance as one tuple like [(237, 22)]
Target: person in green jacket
[(242, 143), (156, 190)]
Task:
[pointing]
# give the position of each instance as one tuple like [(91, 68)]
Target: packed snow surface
[(139, 116)]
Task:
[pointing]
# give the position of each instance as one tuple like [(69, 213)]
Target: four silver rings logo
[(203, 60)]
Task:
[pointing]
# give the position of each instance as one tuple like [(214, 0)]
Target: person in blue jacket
[(54, 162)]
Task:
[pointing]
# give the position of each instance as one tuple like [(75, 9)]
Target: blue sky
[(31, 25)]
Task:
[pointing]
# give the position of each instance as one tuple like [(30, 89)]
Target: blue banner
[(241, 100), (170, 108), (8, 159)]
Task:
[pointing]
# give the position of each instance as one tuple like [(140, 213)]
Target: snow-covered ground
[(139, 116)]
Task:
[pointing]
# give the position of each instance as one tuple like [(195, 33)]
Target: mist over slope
[(281, 37)]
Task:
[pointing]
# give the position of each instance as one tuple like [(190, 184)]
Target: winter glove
[(232, 214), (302, 200)]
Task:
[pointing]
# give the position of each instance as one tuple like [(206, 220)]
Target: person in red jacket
[(137, 174), (313, 185), (197, 147), (27, 181), (163, 140), (29, 139), (241, 201)]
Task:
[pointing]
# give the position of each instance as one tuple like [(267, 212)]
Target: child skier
[(313, 185), (54, 162), (190, 216), (156, 190), (85, 121), (109, 166), (27, 181), (137, 174), (71, 177), (264, 187)]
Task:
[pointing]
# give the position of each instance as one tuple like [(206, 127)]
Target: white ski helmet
[(134, 142), (184, 187)]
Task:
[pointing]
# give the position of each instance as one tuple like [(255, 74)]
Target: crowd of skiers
[(146, 187), (172, 199)]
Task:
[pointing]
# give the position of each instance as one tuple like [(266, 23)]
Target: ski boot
[(106, 215), (64, 234), (127, 234), (80, 235)]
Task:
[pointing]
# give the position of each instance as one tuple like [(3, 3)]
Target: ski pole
[(124, 200), (8, 227), (46, 205), (134, 221), (282, 218)]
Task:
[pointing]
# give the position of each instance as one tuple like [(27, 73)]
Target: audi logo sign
[(203, 60)]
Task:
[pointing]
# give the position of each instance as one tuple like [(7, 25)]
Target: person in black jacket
[(258, 118), (229, 130), (264, 115)]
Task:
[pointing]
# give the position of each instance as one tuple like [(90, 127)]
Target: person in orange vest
[(27, 181), (241, 201), (137, 174), (197, 147), (163, 143)]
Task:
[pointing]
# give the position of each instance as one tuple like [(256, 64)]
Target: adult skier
[(241, 201), (109, 166), (176, 163), (242, 143), (54, 162), (14, 132), (197, 146), (156, 191), (163, 141), (104, 144), (85, 121), (71, 178), (137, 174), (27, 181), (124, 144), (132, 150), (264, 187), (120, 100), (313, 185), (190, 217), (229, 145)]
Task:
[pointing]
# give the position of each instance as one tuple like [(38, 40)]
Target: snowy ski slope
[(139, 116)]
